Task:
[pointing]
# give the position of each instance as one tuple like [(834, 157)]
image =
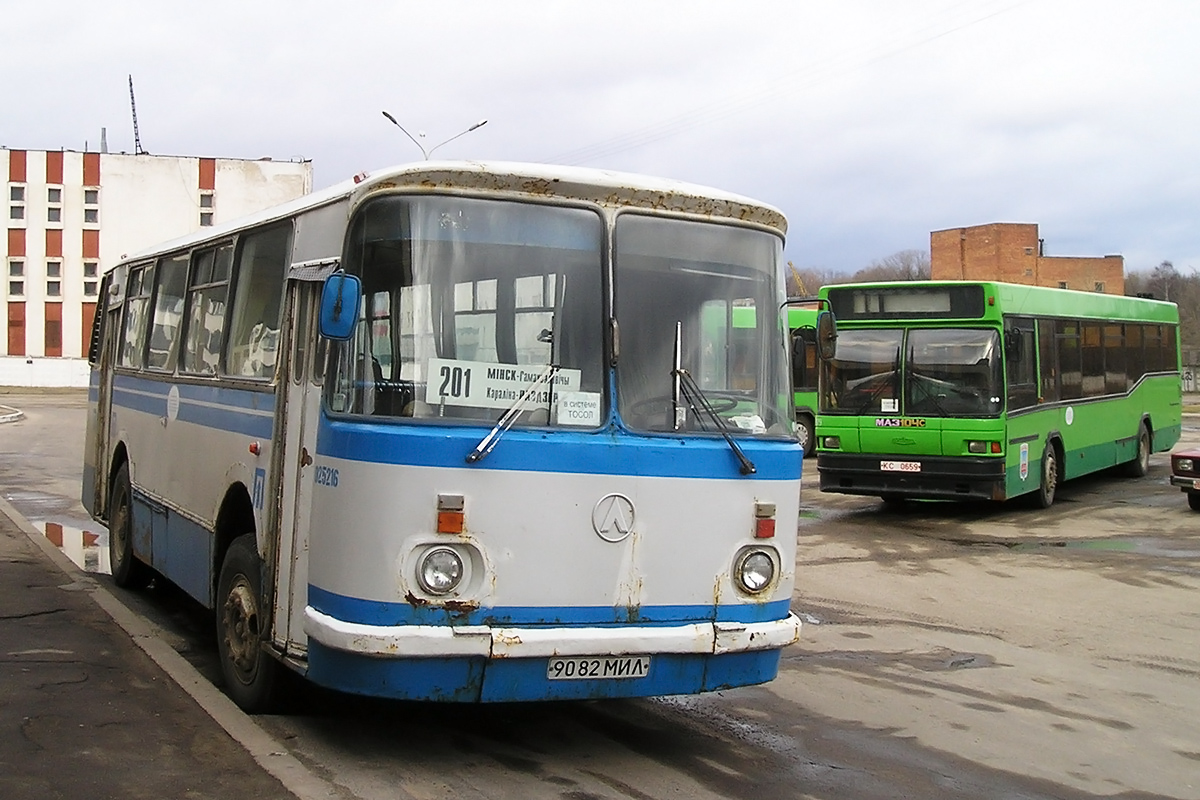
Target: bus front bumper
[(440, 641), (938, 477)]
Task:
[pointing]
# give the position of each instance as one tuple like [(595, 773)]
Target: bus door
[(106, 330), (300, 393)]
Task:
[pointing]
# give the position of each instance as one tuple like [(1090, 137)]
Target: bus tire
[(251, 673), (1048, 486), (127, 571), (1140, 465), (808, 437)]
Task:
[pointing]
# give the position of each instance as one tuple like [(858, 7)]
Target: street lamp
[(429, 152)]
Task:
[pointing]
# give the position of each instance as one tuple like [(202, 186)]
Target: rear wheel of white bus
[(251, 674), (127, 571)]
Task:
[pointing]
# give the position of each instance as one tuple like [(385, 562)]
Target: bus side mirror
[(826, 335), (339, 305)]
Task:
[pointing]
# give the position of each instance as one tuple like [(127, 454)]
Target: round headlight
[(441, 571), (755, 571)]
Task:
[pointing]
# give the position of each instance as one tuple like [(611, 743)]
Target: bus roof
[(1016, 298), (604, 187)]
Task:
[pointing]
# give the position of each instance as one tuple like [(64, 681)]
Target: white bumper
[(715, 638)]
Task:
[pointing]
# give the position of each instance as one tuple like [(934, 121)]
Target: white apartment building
[(72, 215)]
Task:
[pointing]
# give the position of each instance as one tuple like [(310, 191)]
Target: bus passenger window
[(257, 303), (133, 340), (206, 311), (167, 314)]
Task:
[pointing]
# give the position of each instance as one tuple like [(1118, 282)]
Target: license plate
[(900, 466), (597, 668)]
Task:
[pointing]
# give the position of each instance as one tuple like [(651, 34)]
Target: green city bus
[(802, 322), (980, 390)]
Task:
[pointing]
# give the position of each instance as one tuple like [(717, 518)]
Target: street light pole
[(421, 147)]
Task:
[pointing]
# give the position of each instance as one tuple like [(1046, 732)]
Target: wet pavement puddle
[(86, 548)]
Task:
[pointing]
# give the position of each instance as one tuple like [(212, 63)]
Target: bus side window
[(206, 311), (257, 303), (167, 313), (133, 339), (1020, 364)]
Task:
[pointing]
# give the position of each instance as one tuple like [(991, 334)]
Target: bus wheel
[(1141, 462), (250, 672), (127, 571), (1049, 484), (808, 439)]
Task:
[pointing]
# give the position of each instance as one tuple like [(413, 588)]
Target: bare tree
[(906, 265)]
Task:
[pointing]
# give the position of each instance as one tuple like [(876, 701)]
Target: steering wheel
[(720, 404)]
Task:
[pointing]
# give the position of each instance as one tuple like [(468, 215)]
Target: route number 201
[(456, 381)]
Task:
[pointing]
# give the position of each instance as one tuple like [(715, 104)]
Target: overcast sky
[(870, 123)]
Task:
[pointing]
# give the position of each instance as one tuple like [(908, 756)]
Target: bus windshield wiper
[(510, 415), (887, 380), (696, 399)]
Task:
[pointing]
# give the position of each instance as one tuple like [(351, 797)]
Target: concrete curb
[(270, 754), (10, 414)]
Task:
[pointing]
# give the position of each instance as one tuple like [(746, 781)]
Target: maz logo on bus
[(892, 422), (326, 476)]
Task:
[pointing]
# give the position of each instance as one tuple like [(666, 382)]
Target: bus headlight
[(440, 571), (754, 570)]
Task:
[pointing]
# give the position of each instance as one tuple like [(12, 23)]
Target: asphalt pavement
[(91, 700)]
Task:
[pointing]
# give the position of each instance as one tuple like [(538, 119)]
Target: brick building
[(1013, 252), (72, 215)]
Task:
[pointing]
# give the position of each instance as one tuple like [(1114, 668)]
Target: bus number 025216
[(456, 381)]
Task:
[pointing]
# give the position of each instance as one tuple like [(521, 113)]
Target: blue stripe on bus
[(610, 451), (222, 408), (378, 612), (474, 680)]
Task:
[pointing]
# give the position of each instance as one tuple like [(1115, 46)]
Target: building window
[(16, 288), (91, 197), (90, 288), (53, 269), (54, 288), (91, 215), (206, 219), (16, 212), (16, 269), (206, 200), (54, 214), (91, 269), (1099, 286), (16, 194), (53, 195), (1062, 284)]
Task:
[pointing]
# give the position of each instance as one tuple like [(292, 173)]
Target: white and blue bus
[(456, 432)]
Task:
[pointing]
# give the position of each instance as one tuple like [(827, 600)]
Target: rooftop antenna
[(137, 138)]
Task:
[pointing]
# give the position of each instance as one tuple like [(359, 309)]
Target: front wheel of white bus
[(251, 674)]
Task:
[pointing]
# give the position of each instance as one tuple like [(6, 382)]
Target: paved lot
[(950, 651)]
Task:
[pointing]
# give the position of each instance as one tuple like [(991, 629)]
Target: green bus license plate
[(900, 466), (597, 668)]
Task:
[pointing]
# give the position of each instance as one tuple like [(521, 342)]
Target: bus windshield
[(936, 372), (686, 300), (466, 303), (953, 372)]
